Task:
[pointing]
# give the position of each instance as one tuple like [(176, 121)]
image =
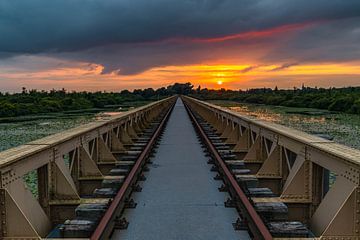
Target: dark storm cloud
[(128, 59), (66, 25), (334, 41)]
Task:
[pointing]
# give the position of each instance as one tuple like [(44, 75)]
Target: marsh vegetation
[(341, 127)]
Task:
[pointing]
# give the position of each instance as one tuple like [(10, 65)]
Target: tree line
[(34, 102), (345, 99)]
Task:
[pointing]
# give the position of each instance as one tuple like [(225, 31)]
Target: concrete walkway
[(180, 198)]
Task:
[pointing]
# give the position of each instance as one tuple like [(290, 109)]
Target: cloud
[(248, 69), (249, 35), (282, 67), (65, 25), (335, 41), (129, 37)]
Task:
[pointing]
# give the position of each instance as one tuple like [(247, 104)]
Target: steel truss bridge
[(181, 168)]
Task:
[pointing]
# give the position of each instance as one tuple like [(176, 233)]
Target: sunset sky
[(117, 44)]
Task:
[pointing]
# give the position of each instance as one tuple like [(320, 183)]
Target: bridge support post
[(124, 137), (130, 130), (234, 134), (270, 172), (339, 212), (105, 154), (116, 144), (14, 223), (254, 153), (61, 188), (43, 186), (242, 145)]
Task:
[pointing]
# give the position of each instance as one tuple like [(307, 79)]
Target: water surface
[(343, 128)]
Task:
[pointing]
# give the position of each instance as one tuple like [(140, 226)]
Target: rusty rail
[(255, 223)]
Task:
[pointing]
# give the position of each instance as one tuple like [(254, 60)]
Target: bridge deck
[(180, 199)]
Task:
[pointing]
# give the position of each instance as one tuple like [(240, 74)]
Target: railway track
[(180, 198), (101, 213), (260, 211)]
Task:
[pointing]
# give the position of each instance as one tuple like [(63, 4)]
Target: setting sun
[(219, 82)]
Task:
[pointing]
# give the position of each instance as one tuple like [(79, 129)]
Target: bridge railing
[(64, 167), (297, 166)]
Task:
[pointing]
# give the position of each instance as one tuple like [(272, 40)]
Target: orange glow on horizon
[(85, 76)]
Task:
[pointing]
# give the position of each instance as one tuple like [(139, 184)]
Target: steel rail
[(255, 223), (106, 224)]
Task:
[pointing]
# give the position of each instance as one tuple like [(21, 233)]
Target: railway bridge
[(180, 168)]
